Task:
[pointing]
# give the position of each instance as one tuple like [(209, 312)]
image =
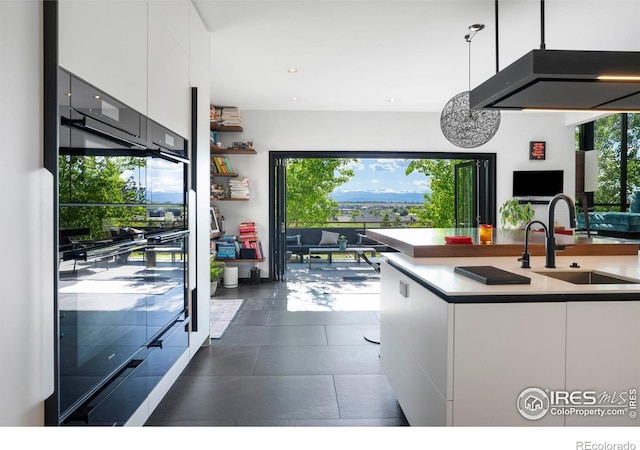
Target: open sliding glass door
[(278, 210), (473, 191), (465, 199)]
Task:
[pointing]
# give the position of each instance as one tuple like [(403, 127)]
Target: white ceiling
[(356, 55)]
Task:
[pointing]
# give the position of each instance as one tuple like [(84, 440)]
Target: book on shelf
[(239, 188), (221, 164), (248, 238), (227, 247), (227, 116)]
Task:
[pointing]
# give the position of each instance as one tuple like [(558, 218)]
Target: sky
[(384, 175)]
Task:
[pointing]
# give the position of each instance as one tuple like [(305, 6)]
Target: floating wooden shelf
[(218, 174), (229, 199), (215, 126), (240, 260), (231, 151)]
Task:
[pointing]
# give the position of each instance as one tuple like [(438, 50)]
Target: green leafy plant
[(215, 269), (514, 213)]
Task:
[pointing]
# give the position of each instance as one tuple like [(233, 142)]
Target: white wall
[(304, 131), (26, 378)]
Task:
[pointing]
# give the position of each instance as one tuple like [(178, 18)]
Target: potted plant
[(215, 271), (514, 214), (342, 242)]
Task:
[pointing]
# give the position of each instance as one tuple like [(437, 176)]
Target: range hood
[(564, 80)]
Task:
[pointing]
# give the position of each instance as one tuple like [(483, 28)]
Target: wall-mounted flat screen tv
[(537, 183)]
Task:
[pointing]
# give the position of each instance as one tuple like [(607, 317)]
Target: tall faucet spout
[(526, 257), (551, 238)]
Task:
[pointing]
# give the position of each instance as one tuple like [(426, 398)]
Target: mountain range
[(377, 197)]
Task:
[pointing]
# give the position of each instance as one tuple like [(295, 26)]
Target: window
[(617, 139)]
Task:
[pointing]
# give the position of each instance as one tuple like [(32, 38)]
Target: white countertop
[(438, 274)]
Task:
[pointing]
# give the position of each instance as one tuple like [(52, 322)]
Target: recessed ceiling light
[(392, 100), (96, 96), (295, 99), (292, 70)]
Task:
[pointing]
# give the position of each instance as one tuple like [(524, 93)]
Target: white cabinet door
[(169, 84), (603, 355), (105, 43), (414, 348), (500, 350)]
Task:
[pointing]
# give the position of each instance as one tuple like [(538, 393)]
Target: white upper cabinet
[(169, 89), (105, 43)]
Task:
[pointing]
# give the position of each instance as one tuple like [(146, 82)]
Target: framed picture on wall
[(537, 150), (214, 226)]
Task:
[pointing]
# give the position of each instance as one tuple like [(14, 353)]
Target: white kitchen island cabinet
[(461, 353)]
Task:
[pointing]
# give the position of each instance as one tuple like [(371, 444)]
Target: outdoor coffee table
[(330, 251)]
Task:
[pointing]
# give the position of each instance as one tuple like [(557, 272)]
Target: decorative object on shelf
[(242, 145), (214, 226), (342, 242), (462, 126), (537, 150), (514, 214)]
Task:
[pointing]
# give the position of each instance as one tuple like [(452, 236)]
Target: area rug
[(221, 313)]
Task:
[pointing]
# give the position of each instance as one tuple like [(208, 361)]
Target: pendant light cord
[(542, 43), (469, 41)]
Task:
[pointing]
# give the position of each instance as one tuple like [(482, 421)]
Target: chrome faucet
[(550, 249), (526, 257)]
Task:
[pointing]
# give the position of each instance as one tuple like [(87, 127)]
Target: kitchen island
[(459, 352)]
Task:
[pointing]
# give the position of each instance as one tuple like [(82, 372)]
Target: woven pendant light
[(462, 126)]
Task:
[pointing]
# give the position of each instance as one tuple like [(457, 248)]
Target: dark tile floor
[(294, 355)]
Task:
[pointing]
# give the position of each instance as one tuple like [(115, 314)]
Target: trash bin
[(255, 276), (230, 277)]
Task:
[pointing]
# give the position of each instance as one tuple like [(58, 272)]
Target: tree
[(607, 141), (97, 180), (310, 182), (439, 205)]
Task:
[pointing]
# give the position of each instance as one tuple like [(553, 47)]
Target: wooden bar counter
[(430, 242)]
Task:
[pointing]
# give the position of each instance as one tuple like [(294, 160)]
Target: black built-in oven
[(122, 260)]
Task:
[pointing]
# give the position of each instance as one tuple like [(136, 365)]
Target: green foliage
[(608, 140), (513, 212), (215, 269), (439, 206), (97, 180), (310, 182)]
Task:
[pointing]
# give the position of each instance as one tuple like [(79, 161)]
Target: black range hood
[(564, 80)]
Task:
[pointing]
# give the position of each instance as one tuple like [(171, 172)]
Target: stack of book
[(230, 117), (250, 246), (226, 246), (239, 188), (220, 164)]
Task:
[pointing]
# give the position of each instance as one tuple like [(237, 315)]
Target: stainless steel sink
[(588, 277)]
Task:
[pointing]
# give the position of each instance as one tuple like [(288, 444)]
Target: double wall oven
[(122, 294)]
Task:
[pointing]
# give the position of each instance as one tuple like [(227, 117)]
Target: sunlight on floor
[(332, 287)]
